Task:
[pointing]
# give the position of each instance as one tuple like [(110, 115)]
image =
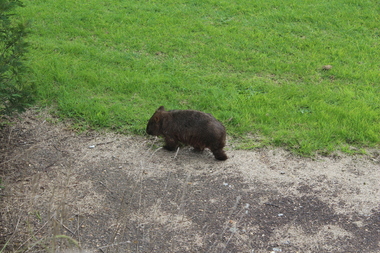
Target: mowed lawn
[(257, 66)]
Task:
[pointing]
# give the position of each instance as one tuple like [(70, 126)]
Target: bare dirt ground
[(105, 192)]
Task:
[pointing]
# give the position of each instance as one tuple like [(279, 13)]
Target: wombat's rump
[(198, 129)]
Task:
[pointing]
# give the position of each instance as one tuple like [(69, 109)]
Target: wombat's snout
[(151, 128), (149, 132)]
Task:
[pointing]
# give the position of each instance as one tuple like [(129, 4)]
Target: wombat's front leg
[(170, 143)]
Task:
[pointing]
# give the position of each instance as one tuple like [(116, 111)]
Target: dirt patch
[(106, 192)]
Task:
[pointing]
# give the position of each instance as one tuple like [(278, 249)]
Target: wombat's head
[(154, 124)]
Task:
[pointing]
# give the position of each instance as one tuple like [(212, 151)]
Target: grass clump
[(257, 67)]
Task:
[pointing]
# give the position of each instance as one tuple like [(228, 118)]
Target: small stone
[(234, 230), (326, 67), (92, 146)]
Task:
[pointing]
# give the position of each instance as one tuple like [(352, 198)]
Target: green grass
[(255, 65)]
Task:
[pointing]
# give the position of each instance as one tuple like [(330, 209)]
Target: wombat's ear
[(161, 108)]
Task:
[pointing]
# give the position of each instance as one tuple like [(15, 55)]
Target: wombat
[(189, 127)]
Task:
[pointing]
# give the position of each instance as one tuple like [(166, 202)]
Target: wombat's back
[(192, 118)]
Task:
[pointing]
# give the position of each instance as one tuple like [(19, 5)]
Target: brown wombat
[(198, 129)]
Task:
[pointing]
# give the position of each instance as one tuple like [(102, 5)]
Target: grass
[(256, 66)]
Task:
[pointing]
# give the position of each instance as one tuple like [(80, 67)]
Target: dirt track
[(116, 193)]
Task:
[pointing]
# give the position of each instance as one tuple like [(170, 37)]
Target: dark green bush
[(15, 92)]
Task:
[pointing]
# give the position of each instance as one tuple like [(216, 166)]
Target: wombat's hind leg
[(220, 154)]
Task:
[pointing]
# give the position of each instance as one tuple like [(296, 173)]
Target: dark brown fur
[(198, 129)]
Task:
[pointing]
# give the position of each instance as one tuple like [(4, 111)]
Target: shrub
[(15, 92)]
